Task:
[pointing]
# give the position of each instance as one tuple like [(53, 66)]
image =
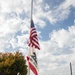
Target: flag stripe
[(33, 68), (34, 43), (35, 39), (34, 34), (32, 62)]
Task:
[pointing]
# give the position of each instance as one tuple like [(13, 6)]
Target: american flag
[(33, 40)]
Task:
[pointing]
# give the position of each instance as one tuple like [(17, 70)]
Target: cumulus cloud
[(59, 13), (17, 6), (45, 13), (57, 52), (62, 37), (11, 23), (8, 30)]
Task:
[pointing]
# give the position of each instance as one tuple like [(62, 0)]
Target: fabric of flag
[(32, 62), (33, 40), (33, 44)]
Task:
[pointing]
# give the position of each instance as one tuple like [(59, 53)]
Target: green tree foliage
[(11, 64)]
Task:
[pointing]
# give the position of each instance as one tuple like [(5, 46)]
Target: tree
[(11, 64)]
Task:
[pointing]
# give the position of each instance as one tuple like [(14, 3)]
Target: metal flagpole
[(31, 9), (28, 64), (70, 68), (30, 23)]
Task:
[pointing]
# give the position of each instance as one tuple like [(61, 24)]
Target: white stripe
[(34, 34), (35, 43), (33, 30)]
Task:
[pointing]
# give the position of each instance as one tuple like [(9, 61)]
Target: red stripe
[(33, 68), (35, 41), (33, 33), (35, 46)]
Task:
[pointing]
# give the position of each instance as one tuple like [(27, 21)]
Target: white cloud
[(22, 40), (52, 15), (54, 55), (63, 10), (17, 6), (59, 13), (11, 23), (13, 42), (68, 3), (62, 37), (8, 30)]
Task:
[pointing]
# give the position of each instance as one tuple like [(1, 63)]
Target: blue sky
[(54, 21)]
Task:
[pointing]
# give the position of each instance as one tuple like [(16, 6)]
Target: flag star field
[(55, 24)]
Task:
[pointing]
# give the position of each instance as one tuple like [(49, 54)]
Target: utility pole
[(70, 68)]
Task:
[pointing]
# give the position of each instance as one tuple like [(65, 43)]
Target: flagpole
[(28, 73), (70, 68), (31, 9), (30, 23)]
